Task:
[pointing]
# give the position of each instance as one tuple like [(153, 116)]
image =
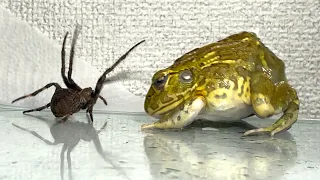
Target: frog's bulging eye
[(160, 82), (186, 76)]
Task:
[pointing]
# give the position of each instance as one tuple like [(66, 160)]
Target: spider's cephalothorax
[(67, 101)]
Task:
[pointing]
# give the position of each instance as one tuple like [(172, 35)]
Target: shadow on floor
[(69, 134)]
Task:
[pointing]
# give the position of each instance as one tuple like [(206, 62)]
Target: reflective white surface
[(114, 147)]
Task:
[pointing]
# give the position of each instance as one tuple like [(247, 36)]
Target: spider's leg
[(37, 109), (38, 91), (102, 78), (62, 119), (89, 110), (65, 118), (69, 81), (63, 63), (73, 44)]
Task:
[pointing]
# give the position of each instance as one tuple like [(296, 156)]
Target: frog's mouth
[(168, 108)]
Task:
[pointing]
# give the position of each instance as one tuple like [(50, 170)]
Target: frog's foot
[(179, 118), (160, 125), (267, 130), (148, 126), (270, 99), (289, 117)]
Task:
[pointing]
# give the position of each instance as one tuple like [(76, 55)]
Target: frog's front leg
[(270, 99), (179, 118)]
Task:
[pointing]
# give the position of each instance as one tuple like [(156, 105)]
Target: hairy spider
[(70, 100)]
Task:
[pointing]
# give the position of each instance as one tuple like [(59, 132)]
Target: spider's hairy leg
[(89, 110), (63, 63), (38, 91), (69, 82), (37, 109), (102, 79), (103, 76), (73, 44), (64, 118)]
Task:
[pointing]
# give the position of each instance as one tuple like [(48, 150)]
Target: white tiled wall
[(171, 28)]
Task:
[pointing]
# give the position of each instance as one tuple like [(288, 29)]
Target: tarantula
[(70, 100)]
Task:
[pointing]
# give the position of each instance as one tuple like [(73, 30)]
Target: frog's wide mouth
[(161, 111)]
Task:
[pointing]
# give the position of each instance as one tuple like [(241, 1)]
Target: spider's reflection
[(69, 134)]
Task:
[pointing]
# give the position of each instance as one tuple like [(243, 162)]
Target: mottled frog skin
[(230, 79)]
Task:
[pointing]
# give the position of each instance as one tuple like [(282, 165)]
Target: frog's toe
[(257, 131), (268, 130), (280, 129), (160, 125), (147, 126)]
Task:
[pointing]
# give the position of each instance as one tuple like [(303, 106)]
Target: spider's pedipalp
[(104, 100)]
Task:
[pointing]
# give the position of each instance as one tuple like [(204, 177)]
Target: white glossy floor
[(113, 147)]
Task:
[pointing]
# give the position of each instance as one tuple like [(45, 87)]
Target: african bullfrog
[(227, 80)]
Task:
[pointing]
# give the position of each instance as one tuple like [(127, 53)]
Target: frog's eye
[(160, 82), (185, 76)]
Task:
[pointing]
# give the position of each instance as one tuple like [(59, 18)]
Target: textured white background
[(171, 28)]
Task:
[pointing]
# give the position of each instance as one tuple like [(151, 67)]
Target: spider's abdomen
[(65, 102)]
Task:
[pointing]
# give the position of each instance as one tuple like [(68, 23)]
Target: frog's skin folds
[(230, 79)]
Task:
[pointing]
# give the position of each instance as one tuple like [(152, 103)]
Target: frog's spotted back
[(229, 48)]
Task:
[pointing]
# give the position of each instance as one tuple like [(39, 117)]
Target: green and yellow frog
[(230, 79)]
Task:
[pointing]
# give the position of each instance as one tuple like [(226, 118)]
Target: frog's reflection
[(69, 134), (202, 154)]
